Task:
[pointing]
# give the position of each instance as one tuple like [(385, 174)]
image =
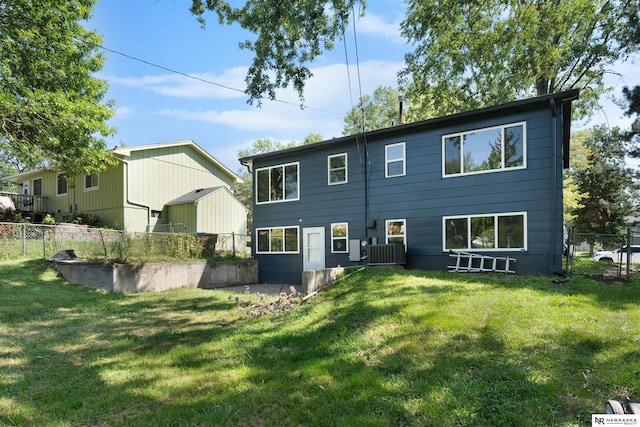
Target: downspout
[(554, 183), (366, 193), (196, 226), (129, 201)]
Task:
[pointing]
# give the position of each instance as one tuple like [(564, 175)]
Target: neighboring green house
[(150, 188), (189, 208)]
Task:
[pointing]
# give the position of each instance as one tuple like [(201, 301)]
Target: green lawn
[(380, 348)]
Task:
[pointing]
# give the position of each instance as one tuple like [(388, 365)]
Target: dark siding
[(423, 196)]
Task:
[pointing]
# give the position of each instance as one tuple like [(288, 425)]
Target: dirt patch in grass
[(608, 279)]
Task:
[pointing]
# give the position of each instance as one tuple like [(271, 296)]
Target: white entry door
[(313, 248)]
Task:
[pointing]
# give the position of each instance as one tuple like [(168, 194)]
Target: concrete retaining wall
[(159, 276), (312, 280)]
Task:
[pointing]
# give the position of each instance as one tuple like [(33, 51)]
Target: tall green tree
[(632, 98), (604, 183), (473, 54), (579, 161), (289, 35), (52, 107), (375, 112)]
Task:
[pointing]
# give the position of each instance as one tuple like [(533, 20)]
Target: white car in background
[(619, 255)]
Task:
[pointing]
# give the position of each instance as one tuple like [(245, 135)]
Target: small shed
[(209, 210)]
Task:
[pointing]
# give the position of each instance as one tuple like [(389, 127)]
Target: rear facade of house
[(487, 181)]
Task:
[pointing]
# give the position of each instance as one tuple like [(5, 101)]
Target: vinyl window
[(394, 160), (339, 237), (91, 182), (63, 186), (277, 184), (491, 149), (337, 169), (277, 240), (503, 231), (396, 231)]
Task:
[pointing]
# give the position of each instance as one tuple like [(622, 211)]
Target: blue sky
[(155, 105)]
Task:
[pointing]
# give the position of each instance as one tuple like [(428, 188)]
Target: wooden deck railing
[(27, 202)]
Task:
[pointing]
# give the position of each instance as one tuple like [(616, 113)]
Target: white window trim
[(283, 166), (284, 228), (84, 183), (404, 160), (502, 169), (346, 169), (495, 215), (386, 229), (346, 238), (65, 177)]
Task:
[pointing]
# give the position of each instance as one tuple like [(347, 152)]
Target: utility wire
[(355, 40), (209, 81)]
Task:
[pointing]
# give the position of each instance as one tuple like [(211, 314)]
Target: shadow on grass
[(379, 348)]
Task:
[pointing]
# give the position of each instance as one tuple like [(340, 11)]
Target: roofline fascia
[(543, 100), (20, 176)]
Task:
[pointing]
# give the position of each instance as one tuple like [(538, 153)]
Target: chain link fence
[(603, 255), (24, 240)]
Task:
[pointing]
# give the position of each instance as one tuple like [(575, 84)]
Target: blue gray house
[(487, 181)]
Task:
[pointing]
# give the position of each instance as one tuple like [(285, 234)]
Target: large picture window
[(485, 150), (337, 166), (507, 231), (394, 160), (339, 237), (396, 231), (277, 184), (62, 185), (277, 240)]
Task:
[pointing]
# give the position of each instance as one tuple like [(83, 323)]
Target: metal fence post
[(233, 239), (44, 242), (628, 251), (568, 248), (24, 240)]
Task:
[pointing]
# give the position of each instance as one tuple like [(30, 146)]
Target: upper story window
[(394, 160), (485, 150), (277, 240), (504, 231), (396, 231), (278, 183), (337, 167), (339, 237), (62, 185), (91, 182)]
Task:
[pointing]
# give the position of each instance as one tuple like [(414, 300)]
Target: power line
[(171, 70)]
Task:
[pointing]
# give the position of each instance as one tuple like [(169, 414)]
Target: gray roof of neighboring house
[(195, 195)]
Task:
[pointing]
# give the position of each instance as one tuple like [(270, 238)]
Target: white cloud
[(375, 25), (124, 112), (328, 97), (229, 84)]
